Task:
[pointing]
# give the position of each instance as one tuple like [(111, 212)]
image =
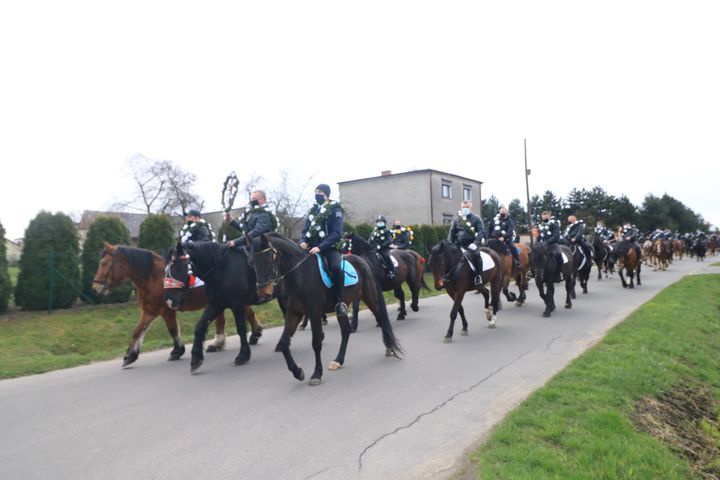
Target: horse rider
[(575, 234), (196, 229), (257, 219), (604, 233), (467, 232), (381, 239), (323, 229), (549, 232), (503, 229), (402, 236), (630, 233)]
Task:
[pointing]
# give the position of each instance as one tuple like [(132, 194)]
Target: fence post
[(51, 265)]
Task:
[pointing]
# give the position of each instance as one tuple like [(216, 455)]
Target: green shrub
[(363, 230), (157, 234), (104, 229), (49, 266), (5, 284)]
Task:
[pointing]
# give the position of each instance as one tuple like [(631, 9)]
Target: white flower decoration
[(307, 234), (468, 224), (311, 217), (317, 227), (322, 210), (321, 234)]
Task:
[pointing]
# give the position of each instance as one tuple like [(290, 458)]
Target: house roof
[(411, 172), (131, 220)]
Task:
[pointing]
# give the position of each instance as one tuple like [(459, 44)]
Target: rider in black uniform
[(549, 232), (257, 219), (503, 229), (467, 231), (196, 229), (381, 239)]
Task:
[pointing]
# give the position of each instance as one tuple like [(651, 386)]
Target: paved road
[(375, 418)]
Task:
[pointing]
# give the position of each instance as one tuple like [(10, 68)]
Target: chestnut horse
[(451, 271), (520, 275), (409, 270), (626, 256), (146, 271)]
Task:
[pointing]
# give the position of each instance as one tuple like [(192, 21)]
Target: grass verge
[(35, 342), (588, 421)]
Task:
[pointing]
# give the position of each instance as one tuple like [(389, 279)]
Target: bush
[(5, 284), (156, 234), (363, 230), (51, 247), (104, 229)]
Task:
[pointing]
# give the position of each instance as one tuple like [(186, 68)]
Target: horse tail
[(420, 263), (375, 295)]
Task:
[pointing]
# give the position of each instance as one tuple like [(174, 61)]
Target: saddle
[(351, 276)]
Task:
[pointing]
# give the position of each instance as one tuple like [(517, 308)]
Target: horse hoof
[(130, 358), (568, 306), (518, 303), (194, 365), (447, 340), (353, 330), (414, 308), (253, 340), (300, 375), (400, 317), (464, 333), (241, 360), (631, 286), (175, 355), (334, 365), (546, 314), (314, 382), (585, 292), (212, 348), (492, 325)]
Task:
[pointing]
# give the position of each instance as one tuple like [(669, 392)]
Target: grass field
[(35, 342), (658, 371)]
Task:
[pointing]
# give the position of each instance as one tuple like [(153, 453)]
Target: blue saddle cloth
[(351, 276)]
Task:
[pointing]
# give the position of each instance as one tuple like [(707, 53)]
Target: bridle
[(107, 282), (275, 276)]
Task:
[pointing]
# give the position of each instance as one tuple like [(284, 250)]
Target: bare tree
[(162, 187), (290, 201)]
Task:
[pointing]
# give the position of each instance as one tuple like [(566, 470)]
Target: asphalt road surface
[(374, 418)]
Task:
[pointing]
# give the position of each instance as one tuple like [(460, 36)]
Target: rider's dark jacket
[(467, 230), (549, 232)]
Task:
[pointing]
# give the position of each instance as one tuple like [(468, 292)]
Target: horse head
[(539, 259), (264, 258), (106, 276), (439, 261), (179, 276)]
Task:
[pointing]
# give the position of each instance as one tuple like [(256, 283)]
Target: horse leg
[(414, 285), (457, 303), (631, 275), (201, 327), (344, 337), (573, 280), (218, 343), (622, 277), (495, 293), (133, 350), (520, 282), (354, 321), (317, 339), (257, 328), (400, 295), (292, 320), (464, 331), (244, 356), (304, 323), (170, 318), (569, 291), (549, 298)]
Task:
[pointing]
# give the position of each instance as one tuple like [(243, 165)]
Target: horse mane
[(205, 252), (364, 244), (140, 260)]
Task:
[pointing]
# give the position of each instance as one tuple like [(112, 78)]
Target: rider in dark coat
[(630, 233), (381, 239), (402, 236), (549, 232), (257, 219), (196, 229), (503, 229), (575, 235), (467, 231), (323, 229)]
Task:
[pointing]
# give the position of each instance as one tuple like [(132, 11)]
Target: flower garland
[(379, 235), (465, 224), (250, 211), (396, 232), (189, 229), (318, 216)]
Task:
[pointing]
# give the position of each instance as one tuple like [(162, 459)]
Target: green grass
[(13, 271), (578, 425), (716, 264), (35, 342)]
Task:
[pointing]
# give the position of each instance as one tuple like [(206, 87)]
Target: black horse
[(700, 249), (582, 264), (409, 270), (229, 283), (545, 267), (275, 258), (602, 258)]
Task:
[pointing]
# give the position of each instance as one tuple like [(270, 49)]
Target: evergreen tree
[(490, 208), (518, 215), (5, 284), (49, 265), (156, 234), (103, 229)]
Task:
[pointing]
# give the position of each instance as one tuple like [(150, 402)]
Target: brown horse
[(679, 249), (626, 256), (451, 271), (410, 268), (661, 254), (520, 275), (146, 271)]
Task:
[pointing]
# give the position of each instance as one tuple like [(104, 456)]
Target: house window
[(446, 190), (447, 219), (467, 193)]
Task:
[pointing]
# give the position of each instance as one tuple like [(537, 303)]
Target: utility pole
[(527, 193)]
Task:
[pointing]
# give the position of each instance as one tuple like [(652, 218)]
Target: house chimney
[(385, 173)]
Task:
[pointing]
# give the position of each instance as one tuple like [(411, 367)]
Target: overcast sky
[(625, 95)]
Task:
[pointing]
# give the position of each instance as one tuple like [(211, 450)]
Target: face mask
[(546, 220), (503, 215), (319, 198), (380, 224), (398, 226), (254, 203), (466, 211)]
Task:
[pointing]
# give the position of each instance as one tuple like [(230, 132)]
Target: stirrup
[(341, 309), (478, 280)]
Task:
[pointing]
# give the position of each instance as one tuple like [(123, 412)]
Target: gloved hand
[(472, 247)]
